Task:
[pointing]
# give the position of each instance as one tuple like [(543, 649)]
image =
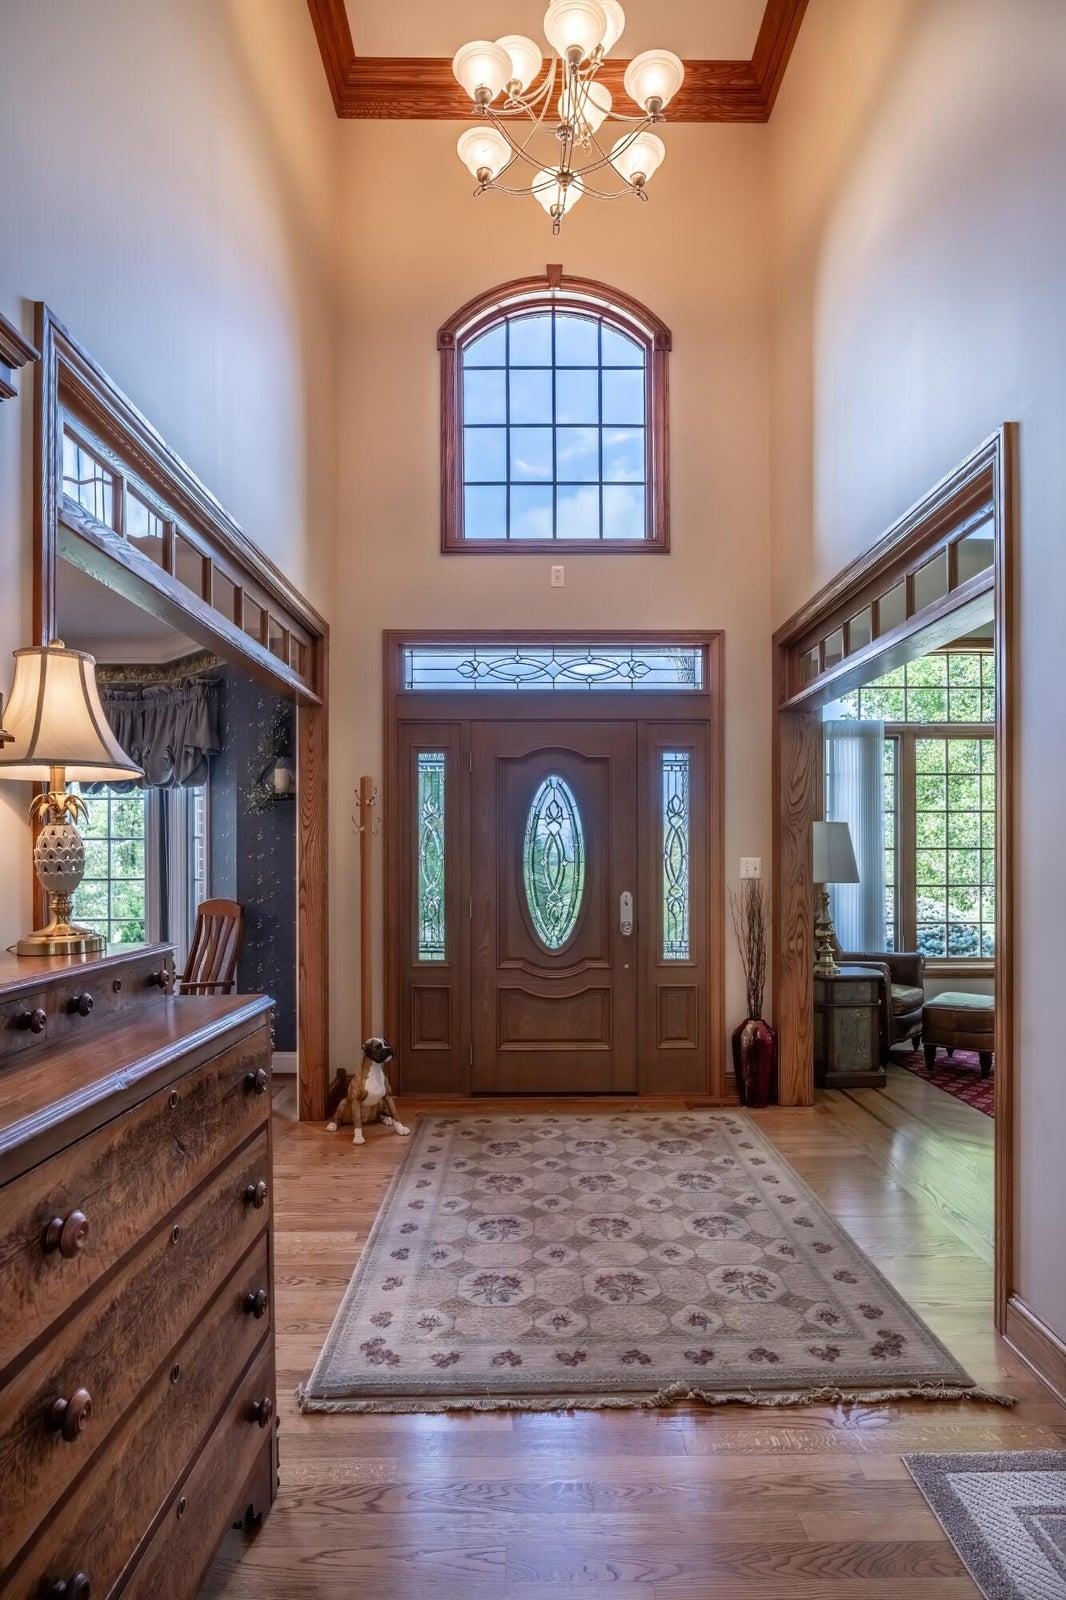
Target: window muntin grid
[(112, 898), (555, 421), (577, 667)]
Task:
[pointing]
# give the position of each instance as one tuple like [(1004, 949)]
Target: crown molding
[(15, 352), (422, 88)]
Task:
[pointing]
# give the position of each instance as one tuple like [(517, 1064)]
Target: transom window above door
[(554, 421)]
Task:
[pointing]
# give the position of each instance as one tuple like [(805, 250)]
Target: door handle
[(625, 914)]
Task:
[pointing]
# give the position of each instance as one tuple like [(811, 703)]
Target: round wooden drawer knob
[(261, 1411), (71, 1417), (256, 1303), (68, 1235), (82, 1004), (76, 1588), (36, 1020), (158, 980), (256, 1194), (257, 1082)]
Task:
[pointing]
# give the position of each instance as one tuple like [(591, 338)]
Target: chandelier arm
[(607, 160), (520, 150)]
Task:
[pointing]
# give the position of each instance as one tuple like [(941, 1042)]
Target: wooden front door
[(554, 958)]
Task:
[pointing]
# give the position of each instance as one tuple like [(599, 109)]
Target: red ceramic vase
[(755, 1062)]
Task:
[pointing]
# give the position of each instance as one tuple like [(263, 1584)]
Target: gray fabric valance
[(169, 729)]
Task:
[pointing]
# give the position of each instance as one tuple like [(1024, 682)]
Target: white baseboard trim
[(285, 1062)]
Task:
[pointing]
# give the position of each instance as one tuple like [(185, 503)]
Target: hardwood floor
[(683, 1504)]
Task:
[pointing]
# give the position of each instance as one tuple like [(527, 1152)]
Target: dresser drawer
[(177, 1558), (76, 1004), (96, 1526), (73, 1217), (104, 1355)]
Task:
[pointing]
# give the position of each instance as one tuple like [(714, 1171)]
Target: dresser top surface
[(23, 973), (56, 1093)]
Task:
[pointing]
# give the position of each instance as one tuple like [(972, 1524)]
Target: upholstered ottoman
[(960, 1022)]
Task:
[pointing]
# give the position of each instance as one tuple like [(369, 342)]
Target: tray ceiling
[(723, 30)]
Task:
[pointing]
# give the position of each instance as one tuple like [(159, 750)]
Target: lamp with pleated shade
[(59, 734)]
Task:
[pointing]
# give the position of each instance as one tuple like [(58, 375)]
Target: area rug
[(615, 1259), (959, 1075), (1006, 1516)]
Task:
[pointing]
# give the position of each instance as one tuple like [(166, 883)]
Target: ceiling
[(694, 29), (110, 627), (395, 61)]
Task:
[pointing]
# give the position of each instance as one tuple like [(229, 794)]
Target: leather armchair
[(902, 993)]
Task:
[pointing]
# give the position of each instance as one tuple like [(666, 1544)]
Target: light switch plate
[(558, 578), (751, 866)]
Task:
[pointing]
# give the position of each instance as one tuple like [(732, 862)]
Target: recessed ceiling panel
[(709, 30)]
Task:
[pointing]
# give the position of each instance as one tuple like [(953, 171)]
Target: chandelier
[(571, 105)]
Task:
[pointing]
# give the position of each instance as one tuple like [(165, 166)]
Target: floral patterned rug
[(617, 1259)]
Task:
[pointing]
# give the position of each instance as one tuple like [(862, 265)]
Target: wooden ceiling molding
[(15, 352), (422, 88)]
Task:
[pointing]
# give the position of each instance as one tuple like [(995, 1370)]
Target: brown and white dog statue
[(369, 1096)]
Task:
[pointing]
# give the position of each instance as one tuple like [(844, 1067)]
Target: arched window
[(554, 420)]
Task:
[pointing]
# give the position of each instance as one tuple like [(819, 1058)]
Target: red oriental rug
[(959, 1075)]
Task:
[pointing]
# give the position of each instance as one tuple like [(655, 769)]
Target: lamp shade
[(654, 75), (833, 858), (55, 719), (593, 106), (526, 57), (578, 25), (551, 194), (483, 65), (616, 23), (483, 150), (639, 157)]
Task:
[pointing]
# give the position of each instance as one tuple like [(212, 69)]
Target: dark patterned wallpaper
[(253, 855)]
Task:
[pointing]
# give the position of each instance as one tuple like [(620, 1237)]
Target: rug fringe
[(672, 1394)]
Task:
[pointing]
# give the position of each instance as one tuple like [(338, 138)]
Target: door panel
[(553, 812)]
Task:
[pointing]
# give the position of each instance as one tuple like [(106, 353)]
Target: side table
[(847, 1038)]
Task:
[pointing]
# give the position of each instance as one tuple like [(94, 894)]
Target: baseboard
[(285, 1062), (1038, 1346)]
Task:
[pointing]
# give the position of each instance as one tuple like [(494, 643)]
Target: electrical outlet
[(558, 578), (751, 866)]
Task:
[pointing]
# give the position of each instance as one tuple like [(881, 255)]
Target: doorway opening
[(553, 863), (917, 635)]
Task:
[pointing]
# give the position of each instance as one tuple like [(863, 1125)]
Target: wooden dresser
[(137, 1401)]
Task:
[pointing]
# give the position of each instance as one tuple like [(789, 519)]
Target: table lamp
[(59, 734), (833, 862)]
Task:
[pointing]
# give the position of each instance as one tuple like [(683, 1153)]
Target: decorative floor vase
[(755, 1062)]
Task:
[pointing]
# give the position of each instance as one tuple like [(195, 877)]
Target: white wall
[(417, 245), (166, 185), (918, 160)]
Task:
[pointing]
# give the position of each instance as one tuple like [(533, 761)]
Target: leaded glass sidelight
[(431, 901), (676, 854), (553, 862)]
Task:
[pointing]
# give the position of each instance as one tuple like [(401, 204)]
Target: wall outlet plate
[(557, 579), (751, 866)]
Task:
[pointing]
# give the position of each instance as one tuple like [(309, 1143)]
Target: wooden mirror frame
[(72, 388)]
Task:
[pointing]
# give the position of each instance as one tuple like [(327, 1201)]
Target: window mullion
[(907, 830)]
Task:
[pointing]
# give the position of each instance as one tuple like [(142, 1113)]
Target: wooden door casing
[(546, 1021)]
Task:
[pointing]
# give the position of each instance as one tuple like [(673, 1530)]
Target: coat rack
[(366, 824)]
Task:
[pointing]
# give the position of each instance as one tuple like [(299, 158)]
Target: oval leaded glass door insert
[(553, 862)]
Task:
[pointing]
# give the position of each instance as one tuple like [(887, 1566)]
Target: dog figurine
[(369, 1095)]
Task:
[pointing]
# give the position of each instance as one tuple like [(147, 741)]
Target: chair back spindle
[(211, 967)]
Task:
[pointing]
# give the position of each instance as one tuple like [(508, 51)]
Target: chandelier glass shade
[(540, 126)]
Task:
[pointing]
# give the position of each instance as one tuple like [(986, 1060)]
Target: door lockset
[(625, 914)]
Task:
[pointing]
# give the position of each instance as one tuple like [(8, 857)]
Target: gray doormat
[(1005, 1513)]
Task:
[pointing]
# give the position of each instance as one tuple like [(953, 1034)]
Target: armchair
[(902, 993)]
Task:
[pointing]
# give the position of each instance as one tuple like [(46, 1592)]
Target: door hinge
[(470, 1056)]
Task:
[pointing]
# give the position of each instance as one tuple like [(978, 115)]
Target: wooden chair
[(211, 967)]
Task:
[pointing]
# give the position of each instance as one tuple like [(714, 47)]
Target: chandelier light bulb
[(574, 28), (557, 198), (637, 160), (526, 58), (593, 107), (484, 152), (616, 23), (483, 69), (653, 78)]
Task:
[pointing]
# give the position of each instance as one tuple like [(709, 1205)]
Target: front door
[(553, 875)]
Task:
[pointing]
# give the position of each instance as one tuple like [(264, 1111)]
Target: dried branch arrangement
[(749, 905)]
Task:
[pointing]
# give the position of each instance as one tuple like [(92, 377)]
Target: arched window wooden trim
[(557, 291)]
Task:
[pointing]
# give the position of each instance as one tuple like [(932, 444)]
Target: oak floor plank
[(692, 1503)]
